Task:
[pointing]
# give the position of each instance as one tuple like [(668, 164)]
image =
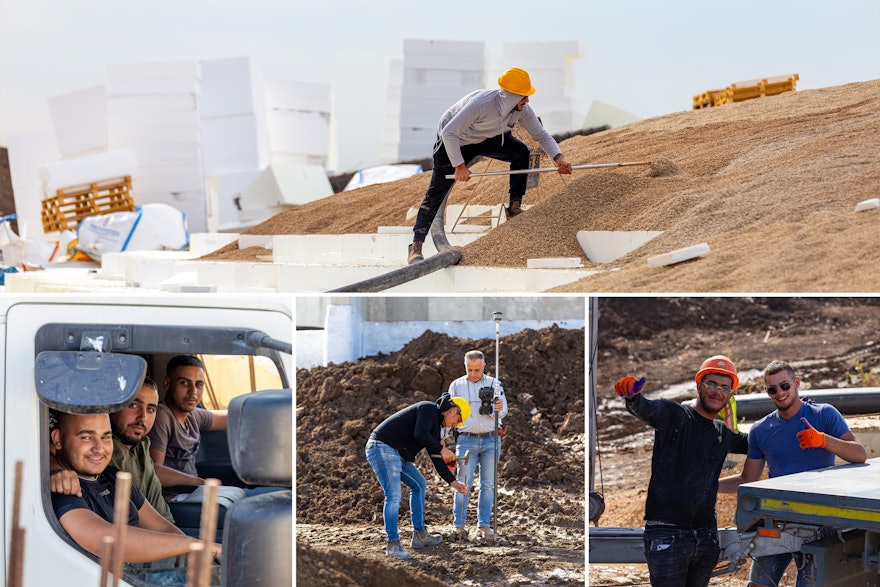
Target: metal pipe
[(446, 256), (545, 169), (848, 401), (497, 316)]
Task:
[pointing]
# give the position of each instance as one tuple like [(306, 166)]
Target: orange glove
[(629, 387), (810, 437), (452, 464)]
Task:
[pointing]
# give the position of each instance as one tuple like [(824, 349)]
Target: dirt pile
[(833, 342), (770, 184), (541, 470)]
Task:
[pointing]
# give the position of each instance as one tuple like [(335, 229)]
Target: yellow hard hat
[(465, 408), (516, 81)]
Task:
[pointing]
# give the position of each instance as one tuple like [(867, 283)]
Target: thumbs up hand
[(809, 437)]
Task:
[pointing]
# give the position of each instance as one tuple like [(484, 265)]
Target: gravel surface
[(770, 184)]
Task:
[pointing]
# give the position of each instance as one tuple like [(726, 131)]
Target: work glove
[(629, 387), (810, 437)]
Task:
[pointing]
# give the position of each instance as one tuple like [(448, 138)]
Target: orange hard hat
[(516, 81), (718, 364)]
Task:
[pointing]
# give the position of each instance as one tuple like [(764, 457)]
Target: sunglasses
[(771, 389)]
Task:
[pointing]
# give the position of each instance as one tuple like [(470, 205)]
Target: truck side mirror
[(88, 382)]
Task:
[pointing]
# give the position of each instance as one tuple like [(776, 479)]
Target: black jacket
[(412, 429), (689, 451)]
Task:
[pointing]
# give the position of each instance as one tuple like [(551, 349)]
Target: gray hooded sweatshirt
[(484, 114)]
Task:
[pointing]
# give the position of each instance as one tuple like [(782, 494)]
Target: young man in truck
[(131, 453), (83, 443), (180, 421)]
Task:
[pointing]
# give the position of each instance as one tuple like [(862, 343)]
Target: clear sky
[(648, 57)]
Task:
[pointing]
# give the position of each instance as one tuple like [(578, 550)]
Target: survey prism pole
[(497, 316)]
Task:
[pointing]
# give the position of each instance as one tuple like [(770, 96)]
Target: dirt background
[(833, 342), (770, 184), (340, 535)]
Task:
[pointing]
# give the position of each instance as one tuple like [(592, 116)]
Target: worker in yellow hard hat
[(391, 452), (480, 124)]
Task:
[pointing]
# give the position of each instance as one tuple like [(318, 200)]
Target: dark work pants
[(681, 558), (503, 147)]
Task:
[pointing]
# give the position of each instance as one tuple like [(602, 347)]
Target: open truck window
[(97, 367)]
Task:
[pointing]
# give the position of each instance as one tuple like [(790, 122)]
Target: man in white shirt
[(477, 436)]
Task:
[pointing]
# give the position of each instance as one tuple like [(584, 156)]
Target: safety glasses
[(713, 387), (771, 389)]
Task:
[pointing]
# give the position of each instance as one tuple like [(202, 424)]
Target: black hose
[(446, 256)]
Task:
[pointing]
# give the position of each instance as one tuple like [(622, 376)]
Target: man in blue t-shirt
[(799, 436)]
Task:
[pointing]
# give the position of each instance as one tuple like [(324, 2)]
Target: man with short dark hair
[(798, 436), (83, 444), (690, 447), (177, 433), (131, 453)]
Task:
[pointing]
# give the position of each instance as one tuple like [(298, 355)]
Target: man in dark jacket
[(391, 452), (690, 447)]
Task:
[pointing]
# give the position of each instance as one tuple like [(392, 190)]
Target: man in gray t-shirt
[(177, 433)]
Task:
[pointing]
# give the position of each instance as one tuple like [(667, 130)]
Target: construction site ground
[(769, 184), (541, 508), (832, 342)]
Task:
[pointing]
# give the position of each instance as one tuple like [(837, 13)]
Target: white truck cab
[(89, 353)]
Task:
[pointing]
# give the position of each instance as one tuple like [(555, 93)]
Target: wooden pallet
[(746, 90), (70, 205)]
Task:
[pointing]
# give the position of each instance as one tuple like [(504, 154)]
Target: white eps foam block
[(871, 204), (80, 121), (679, 255), (554, 263), (604, 246), (85, 170)]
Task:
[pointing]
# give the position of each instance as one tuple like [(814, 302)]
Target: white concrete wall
[(359, 327)]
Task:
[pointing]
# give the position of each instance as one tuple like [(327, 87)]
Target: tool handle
[(543, 169)]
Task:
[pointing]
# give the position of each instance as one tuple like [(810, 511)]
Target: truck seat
[(258, 530)]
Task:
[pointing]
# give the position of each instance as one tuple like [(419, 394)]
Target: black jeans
[(681, 558), (503, 147)]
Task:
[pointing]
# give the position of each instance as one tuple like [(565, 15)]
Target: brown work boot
[(514, 209), (415, 253), (459, 535), (422, 539), (487, 533)]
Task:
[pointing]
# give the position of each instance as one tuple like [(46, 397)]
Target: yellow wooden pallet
[(70, 205), (747, 90)]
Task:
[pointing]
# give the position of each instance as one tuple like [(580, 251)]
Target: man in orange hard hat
[(480, 124), (690, 447)]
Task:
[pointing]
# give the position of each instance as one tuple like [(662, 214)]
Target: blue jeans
[(768, 570), (391, 469), (481, 453), (681, 558), (504, 147)]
